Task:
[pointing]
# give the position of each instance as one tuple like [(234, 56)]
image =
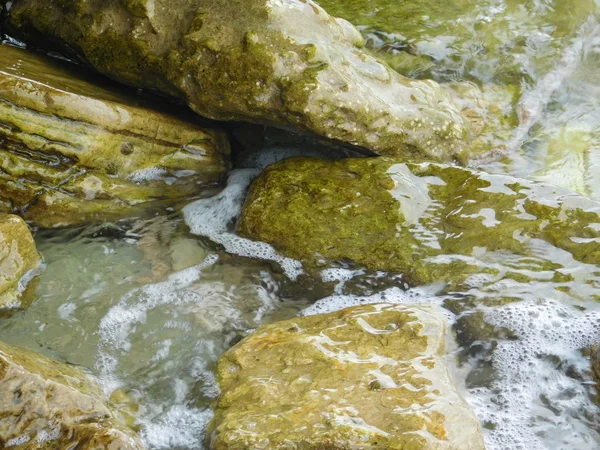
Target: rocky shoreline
[(77, 148)]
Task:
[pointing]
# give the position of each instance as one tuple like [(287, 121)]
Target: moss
[(430, 222), (363, 377)]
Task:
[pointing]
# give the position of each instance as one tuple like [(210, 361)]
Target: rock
[(430, 222), (73, 151), (48, 405), (364, 377), (498, 41), (562, 157), (276, 62), (18, 256)]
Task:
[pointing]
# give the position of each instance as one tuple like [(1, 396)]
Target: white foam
[(420, 295), (265, 157), (528, 378), (214, 217), (118, 323), (178, 427)]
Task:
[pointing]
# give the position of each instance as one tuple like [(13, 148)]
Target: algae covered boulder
[(364, 377), (430, 222), (75, 148), (276, 62), (47, 405), (18, 256)]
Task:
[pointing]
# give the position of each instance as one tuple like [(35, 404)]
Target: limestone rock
[(48, 405), (364, 377), (18, 256), (428, 221), (73, 151), (276, 62)]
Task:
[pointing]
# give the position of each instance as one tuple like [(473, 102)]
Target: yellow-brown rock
[(75, 148), (364, 377), (48, 405), (18, 256)]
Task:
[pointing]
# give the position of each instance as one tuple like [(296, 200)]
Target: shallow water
[(149, 306)]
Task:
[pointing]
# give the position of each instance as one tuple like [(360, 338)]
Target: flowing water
[(148, 306)]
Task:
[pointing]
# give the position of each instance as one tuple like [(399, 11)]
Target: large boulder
[(364, 377), (18, 256), (72, 150), (277, 62), (430, 222), (48, 405)]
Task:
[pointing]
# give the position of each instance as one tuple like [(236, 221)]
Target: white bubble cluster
[(261, 159), (394, 295), (213, 217), (533, 403), (177, 427)]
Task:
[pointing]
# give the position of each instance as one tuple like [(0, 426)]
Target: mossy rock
[(430, 222), (462, 39), (74, 150), (18, 256), (47, 405), (365, 377), (283, 63)]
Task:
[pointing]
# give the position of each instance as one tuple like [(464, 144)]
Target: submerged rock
[(275, 62), (48, 405), (18, 256), (364, 377), (73, 151), (491, 40), (428, 221)]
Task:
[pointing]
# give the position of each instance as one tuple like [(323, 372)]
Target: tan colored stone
[(286, 63), (17, 256), (76, 148), (47, 405), (369, 377)]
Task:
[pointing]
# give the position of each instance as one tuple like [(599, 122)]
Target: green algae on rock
[(18, 256), (72, 151), (364, 377), (506, 41), (430, 222), (277, 62), (47, 405)]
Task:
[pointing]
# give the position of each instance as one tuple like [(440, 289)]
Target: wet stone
[(429, 222), (76, 148), (364, 377), (18, 256), (47, 405), (286, 63)]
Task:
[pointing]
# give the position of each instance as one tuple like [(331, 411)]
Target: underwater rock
[(48, 405), (428, 221), (276, 62), (494, 41), (364, 377), (18, 256), (73, 151)]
